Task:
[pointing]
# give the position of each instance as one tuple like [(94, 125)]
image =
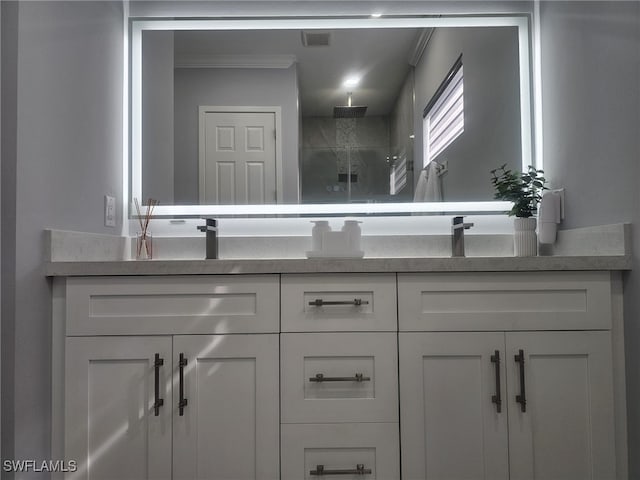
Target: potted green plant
[(524, 190)]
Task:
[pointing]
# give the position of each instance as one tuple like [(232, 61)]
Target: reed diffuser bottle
[(144, 239)]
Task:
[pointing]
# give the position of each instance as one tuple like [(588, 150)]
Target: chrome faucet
[(457, 236), (211, 230)]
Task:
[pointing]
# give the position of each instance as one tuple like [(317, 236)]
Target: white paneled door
[(453, 412), (237, 157), (565, 429), (226, 409), (114, 427)]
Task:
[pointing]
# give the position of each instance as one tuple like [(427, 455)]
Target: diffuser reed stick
[(144, 246)]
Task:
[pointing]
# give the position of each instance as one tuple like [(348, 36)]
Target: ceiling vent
[(316, 39)]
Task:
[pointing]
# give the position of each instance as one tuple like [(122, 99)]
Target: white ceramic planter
[(525, 240)]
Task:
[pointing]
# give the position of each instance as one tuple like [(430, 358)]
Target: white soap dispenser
[(317, 232), (354, 234), (549, 216)]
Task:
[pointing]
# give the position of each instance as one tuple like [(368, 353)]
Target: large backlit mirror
[(328, 115)]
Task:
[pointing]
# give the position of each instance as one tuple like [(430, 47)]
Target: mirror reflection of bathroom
[(362, 114), (351, 157), (431, 134), (350, 149)]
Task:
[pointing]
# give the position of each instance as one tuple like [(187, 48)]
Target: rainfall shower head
[(349, 111)]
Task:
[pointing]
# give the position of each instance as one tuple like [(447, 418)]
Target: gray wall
[(591, 116), (8, 82), (0, 230), (491, 134), (67, 121), (8, 178), (232, 87), (157, 114), (590, 107)]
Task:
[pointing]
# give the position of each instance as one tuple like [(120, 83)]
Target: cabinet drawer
[(339, 303), (504, 301), (345, 446), (339, 377), (172, 304)]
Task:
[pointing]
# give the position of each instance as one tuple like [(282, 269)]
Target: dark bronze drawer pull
[(356, 302), (359, 470), (358, 377)]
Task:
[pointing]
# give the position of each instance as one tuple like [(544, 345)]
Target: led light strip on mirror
[(330, 209), (137, 26)]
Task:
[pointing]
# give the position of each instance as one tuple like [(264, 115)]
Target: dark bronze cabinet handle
[(358, 377), (356, 302), (158, 402), (182, 401), (497, 398), (522, 398), (359, 470)]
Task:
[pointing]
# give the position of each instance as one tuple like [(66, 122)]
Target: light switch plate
[(109, 211)]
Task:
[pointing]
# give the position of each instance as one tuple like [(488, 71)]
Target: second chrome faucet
[(211, 230), (457, 236)]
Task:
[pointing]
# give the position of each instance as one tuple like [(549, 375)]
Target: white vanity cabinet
[(491, 388), (175, 405), (513, 375), (339, 377)]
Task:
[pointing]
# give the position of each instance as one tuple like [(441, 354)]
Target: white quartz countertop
[(303, 265)]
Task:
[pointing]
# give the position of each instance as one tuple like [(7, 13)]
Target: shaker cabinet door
[(112, 428), (563, 428), (228, 426), (453, 415)]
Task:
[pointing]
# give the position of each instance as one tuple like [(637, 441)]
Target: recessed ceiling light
[(376, 15), (351, 81)]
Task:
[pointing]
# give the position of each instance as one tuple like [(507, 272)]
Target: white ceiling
[(381, 56)]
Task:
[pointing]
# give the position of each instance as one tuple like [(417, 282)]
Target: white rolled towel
[(428, 188)]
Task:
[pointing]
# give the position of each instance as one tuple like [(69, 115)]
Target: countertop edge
[(360, 265)]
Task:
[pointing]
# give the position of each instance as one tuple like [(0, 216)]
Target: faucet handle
[(458, 222), (211, 225)]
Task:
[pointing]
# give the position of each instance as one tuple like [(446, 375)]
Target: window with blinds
[(443, 117), (398, 175)]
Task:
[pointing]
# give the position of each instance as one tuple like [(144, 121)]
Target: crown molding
[(234, 61)]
